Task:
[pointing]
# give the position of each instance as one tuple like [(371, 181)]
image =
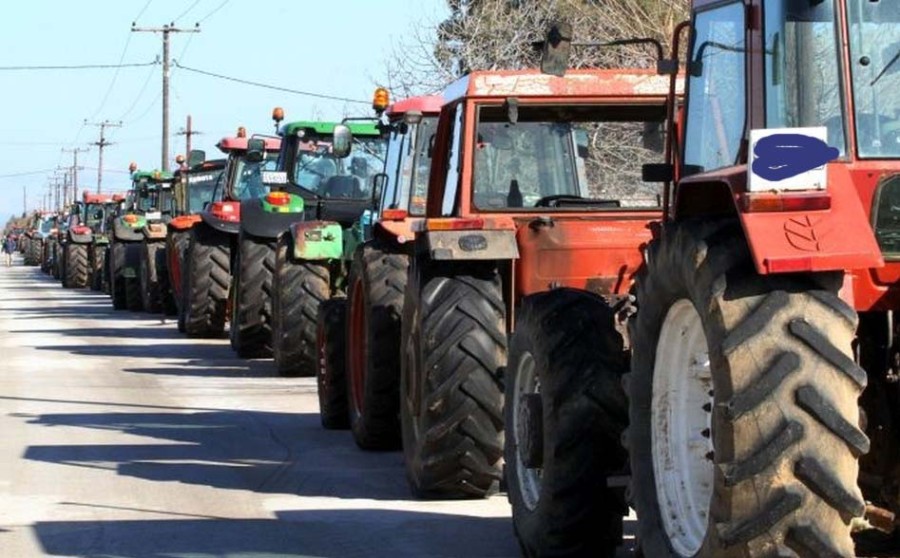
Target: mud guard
[(126, 233), (468, 244), (317, 240), (221, 225), (80, 238), (154, 231), (839, 238), (263, 224)]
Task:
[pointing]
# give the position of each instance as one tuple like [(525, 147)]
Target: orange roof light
[(277, 114), (241, 132), (278, 198), (179, 159), (132, 167), (381, 99), (130, 218)]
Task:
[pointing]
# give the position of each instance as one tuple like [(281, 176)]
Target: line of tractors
[(599, 286)]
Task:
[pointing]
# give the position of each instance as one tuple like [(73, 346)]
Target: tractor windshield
[(94, 214), (46, 225), (247, 177), (566, 157), (802, 79), (875, 66), (330, 177), (201, 189)]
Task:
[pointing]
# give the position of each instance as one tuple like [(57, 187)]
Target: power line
[(187, 11), (267, 86), (80, 66), (26, 173), (216, 9)]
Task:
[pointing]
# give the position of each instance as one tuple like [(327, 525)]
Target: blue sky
[(336, 47)]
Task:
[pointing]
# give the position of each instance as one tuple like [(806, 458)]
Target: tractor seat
[(342, 187)]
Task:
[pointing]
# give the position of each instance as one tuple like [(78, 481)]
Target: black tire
[(105, 279), (151, 293), (166, 294), (298, 288), (76, 266), (116, 264), (251, 324), (454, 323), (95, 267), (45, 256), (376, 284), (35, 250), (56, 267), (331, 366), (783, 403), (205, 279), (176, 247), (565, 413), (134, 298)]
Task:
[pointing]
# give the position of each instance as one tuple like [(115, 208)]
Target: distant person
[(9, 247)]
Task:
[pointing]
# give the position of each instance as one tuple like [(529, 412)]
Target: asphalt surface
[(123, 439)]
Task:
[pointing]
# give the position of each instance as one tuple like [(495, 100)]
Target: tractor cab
[(195, 187), (154, 195)]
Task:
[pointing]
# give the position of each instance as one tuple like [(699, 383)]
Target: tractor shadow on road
[(262, 452), (353, 533)]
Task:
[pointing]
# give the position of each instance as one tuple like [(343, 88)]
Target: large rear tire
[(565, 413), (176, 247), (96, 266), (116, 275), (377, 281), (298, 288), (451, 411), (166, 293), (35, 250), (206, 279), (743, 435), (251, 324), (76, 266), (151, 294), (45, 256), (331, 367), (134, 299)]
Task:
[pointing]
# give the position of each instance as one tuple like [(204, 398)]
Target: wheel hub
[(681, 428), (527, 414), (531, 435)]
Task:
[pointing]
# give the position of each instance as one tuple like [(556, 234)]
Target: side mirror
[(556, 48), (378, 182), (196, 157), (341, 141), (657, 172), (256, 150)]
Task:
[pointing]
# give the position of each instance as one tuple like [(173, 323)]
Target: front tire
[(331, 377), (151, 294), (451, 411), (251, 326), (96, 267), (565, 413), (743, 435), (298, 288)]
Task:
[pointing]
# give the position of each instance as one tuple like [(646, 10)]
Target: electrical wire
[(210, 14), (184, 13), (26, 173), (80, 67), (140, 95), (267, 86)]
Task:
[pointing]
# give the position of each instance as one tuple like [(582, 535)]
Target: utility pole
[(188, 132), (24, 199), (101, 144), (75, 168), (165, 30)]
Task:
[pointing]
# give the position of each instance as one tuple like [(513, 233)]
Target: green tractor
[(98, 274), (37, 231), (332, 167), (156, 191)]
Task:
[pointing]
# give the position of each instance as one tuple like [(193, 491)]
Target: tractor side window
[(394, 166), (887, 218), (802, 76), (451, 186), (421, 165), (716, 111)]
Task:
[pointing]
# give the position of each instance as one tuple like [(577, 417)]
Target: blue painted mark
[(782, 156)]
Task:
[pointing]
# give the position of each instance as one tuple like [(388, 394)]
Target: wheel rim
[(357, 342), (322, 371), (528, 479), (681, 428)]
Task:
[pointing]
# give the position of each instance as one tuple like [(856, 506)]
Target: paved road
[(121, 438)]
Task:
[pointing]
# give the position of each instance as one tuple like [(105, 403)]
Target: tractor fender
[(221, 225), (184, 222), (84, 238), (260, 223), (317, 240), (154, 231), (478, 244), (123, 232), (834, 239)]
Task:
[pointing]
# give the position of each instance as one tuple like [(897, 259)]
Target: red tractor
[(359, 385), (535, 186), (207, 265), (196, 185), (766, 306)]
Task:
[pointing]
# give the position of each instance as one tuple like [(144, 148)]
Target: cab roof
[(576, 83), (367, 128), (88, 197), (234, 143), (209, 165), (426, 104), (153, 176)]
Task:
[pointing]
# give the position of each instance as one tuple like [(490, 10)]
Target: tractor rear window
[(201, 189), (567, 157), (351, 177), (249, 184)]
